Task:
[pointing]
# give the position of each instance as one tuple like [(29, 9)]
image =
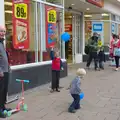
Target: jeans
[(117, 61), (92, 55), (76, 102)]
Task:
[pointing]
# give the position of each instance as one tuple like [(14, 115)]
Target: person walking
[(93, 49), (116, 50), (4, 73)]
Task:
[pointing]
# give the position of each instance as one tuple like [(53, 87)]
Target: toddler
[(75, 90)]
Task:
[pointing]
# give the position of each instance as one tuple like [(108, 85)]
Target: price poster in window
[(51, 27), (20, 24)]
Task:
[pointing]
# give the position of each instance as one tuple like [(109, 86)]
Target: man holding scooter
[(4, 73)]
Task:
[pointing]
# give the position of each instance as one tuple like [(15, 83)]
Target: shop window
[(31, 54), (51, 29)]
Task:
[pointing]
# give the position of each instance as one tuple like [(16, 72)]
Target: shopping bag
[(117, 52)]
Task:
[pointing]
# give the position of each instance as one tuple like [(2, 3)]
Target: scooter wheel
[(25, 108), (9, 114), (5, 112)]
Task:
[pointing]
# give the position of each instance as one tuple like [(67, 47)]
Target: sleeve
[(51, 54), (1, 58), (78, 86)]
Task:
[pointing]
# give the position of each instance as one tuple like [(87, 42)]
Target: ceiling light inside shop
[(8, 3), (118, 0), (8, 11), (72, 4), (104, 14), (87, 8), (87, 15)]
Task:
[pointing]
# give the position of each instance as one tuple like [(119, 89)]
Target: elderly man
[(4, 72)]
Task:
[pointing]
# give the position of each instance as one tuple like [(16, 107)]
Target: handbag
[(117, 52)]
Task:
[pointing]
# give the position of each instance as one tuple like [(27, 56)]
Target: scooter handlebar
[(25, 81)]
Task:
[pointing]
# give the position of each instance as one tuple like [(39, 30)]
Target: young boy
[(56, 67), (101, 58), (75, 90)]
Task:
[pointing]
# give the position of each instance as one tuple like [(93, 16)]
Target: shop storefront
[(33, 26), (74, 26), (104, 23)]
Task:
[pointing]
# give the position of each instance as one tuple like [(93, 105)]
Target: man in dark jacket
[(93, 44), (4, 73)]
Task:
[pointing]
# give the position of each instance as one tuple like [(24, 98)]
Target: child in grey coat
[(75, 90)]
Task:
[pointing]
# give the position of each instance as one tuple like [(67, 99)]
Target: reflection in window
[(58, 2)]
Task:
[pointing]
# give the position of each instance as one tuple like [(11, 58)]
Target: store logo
[(97, 27)]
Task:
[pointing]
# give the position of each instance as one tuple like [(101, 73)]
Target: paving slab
[(101, 101)]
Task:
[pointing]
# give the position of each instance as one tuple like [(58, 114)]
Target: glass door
[(77, 51)]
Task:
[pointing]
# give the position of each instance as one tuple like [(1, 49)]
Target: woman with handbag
[(116, 50)]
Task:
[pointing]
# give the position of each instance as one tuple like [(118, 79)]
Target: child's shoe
[(52, 90), (57, 90), (71, 110)]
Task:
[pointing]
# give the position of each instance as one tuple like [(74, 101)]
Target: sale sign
[(20, 24), (51, 28), (99, 3)]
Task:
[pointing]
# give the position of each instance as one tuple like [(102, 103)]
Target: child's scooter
[(21, 105)]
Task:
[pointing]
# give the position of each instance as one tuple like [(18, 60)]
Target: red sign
[(51, 27), (98, 3), (20, 24), (68, 27)]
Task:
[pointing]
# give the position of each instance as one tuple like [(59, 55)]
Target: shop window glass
[(22, 56)]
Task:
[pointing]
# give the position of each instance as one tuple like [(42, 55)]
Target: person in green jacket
[(93, 49)]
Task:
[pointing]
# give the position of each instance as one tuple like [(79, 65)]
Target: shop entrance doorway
[(73, 48)]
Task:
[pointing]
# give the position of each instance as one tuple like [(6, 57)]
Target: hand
[(62, 68), (1, 74)]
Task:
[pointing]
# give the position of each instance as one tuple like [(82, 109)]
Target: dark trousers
[(117, 61), (93, 55), (55, 79), (101, 64), (76, 102), (3, 89)]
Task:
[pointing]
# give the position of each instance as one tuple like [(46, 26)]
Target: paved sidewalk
[(101, 102)]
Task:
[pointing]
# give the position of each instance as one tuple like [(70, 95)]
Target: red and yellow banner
[(99, 3), (20, 24), (51, 27)]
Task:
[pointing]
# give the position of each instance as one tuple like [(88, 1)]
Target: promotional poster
[(20, 24), (51, 27)]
